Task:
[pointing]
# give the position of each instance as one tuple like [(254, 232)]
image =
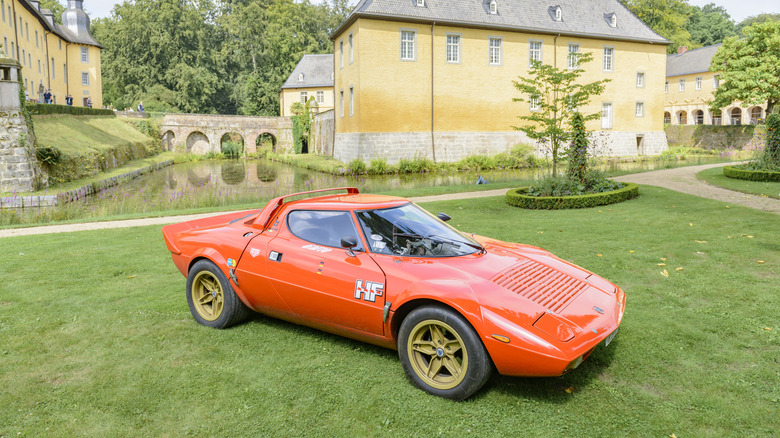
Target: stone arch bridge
[(203, 133)]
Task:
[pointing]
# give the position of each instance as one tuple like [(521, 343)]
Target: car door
[(320, 280)]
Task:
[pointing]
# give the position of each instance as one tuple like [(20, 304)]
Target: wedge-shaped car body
[(383, 270)]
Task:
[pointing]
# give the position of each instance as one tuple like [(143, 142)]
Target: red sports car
[(383, 270)]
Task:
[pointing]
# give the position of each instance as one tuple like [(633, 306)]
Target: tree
[(709, 25), (558, 96), (756, 19), (749, 67), (578, 149), (55, 7), (667, 18)]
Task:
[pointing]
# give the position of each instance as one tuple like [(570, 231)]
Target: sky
[(738, 9)]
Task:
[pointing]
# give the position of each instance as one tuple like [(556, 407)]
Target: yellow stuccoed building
[(63, 58), (311, 79), (433, 78), (689, 90)]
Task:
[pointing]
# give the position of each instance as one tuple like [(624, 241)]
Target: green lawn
[(715, 177), (75, 135), (96, 339)]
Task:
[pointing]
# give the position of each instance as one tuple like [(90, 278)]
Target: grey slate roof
[(62, 31), (317, 72), (587, 18), (692, 61)]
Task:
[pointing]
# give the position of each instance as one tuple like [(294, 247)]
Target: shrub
[(232, 149), (520, 197), (40, 109), (476, 162), (751, 174), (48, 155), (525, 153), (357, 166), (772, 149), (417, 165), (379, 166)]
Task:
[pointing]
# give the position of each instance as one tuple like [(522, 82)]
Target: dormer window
[(557, 13), (420, 3), (300, 77), (611, 19), (493, 7)]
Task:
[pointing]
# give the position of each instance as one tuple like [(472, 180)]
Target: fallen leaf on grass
[(690, 224), (678, 269), (599, 255), (661, 264), (761, 262), (665, 273), (768, 328), (700, 241), (631, 251), (664, 258), (569, 390), (540, 232), (728, 206), (672, 436), (132, 276), (749, 237)]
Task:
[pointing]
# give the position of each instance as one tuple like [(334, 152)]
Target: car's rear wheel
[(211, 298), (442, 354)]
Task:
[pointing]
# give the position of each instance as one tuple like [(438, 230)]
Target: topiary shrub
[(40, 109), (521, 198), (746, 173)]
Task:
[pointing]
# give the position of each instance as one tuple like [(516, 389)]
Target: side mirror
[(443, 217), (349, 242)]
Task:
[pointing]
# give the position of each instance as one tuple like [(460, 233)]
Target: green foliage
[(749, 67), (232, 149), (55, 7), (357, 166), (577, 153), (524, 197), (709, 24), (757, 19), (379, 166), (668, 18), (772, 149), (40, 109), (560, 95), (747, 173), (48, 155), (417, 165)]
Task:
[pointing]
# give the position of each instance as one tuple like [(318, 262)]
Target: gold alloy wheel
[(207, 295), (437, 355)]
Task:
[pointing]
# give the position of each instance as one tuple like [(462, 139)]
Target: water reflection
[(233, 172)]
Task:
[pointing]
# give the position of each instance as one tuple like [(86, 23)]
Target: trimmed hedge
[(740, 172), (518, 198), (41, 109)]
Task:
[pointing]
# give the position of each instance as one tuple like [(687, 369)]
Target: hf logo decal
[(370, 291)]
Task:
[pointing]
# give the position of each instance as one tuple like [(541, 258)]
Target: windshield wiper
[(440, 239)]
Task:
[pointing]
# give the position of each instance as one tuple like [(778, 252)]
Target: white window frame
[(36, 39), (558, 13), (573, 56), (534, 103), (699, 82), (608, 63), (304, 96), (613, 20), (420, 3), (53, 69), (452, 50), (351, 49), (300, 77), (681, 86), (532, 51), (341, 103), (351, 100), (320, 96), (408, 47), (640, 79), (85, 79), (85, 55), (606, 120), (495, 51), (639, 108), (493, 8)]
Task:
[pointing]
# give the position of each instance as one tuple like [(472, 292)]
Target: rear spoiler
[(275, 204)]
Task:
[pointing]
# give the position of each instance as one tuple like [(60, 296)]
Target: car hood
[(520, 282)]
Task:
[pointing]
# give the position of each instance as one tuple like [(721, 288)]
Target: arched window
[(698, 117), (755, 115), (682, 118), (736, 116), (717, 117), (667, 117)]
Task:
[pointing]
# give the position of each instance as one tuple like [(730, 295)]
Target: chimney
[(681, 50)]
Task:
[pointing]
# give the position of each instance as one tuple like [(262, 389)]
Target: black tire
[(211, 298), (442, 354)]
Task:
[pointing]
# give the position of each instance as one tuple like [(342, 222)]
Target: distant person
[(141, 107), (89, 102), (69, 100), (47, 96)]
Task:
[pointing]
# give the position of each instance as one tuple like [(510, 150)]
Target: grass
[(73, 135), (97, 340), (715, 177)]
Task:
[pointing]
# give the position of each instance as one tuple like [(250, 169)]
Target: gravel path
[(682, 179)]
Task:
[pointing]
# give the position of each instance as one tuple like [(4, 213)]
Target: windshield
[(410, 230)]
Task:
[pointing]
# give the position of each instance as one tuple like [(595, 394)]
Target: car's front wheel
[(442, 354), (211, 298)]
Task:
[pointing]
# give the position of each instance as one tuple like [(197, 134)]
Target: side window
[(322, 227)]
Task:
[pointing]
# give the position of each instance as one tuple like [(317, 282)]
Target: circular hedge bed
[(518, 198), (742, 172)]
